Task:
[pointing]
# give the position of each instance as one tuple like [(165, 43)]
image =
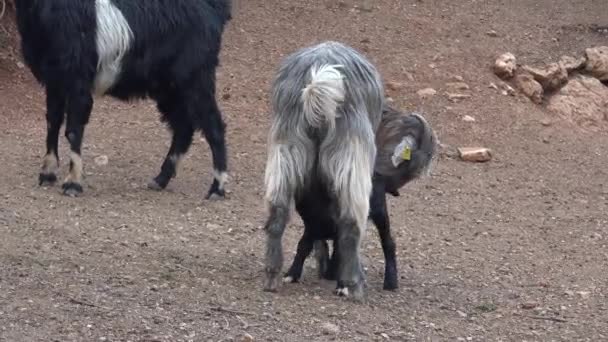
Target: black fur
[(172, 59), (320, 223)]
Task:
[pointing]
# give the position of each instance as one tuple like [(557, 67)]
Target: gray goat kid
[(327, 103)]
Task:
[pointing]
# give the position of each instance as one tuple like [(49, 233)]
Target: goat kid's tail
[(323, 95)]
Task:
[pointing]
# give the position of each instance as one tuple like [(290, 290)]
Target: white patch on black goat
[(114, 37)]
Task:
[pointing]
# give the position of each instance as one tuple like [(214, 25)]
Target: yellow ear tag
[(407, 154)]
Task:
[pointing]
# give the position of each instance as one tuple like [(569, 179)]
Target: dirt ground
[(510, 250)]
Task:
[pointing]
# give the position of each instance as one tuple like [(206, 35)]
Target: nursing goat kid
[(406, 147), (167, 50), (327, 103)]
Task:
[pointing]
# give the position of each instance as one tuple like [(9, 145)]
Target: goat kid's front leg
[(380, 218), (79, 109), (55, 109), (275, 227)]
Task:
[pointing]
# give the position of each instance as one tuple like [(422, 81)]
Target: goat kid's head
[(406, 148)]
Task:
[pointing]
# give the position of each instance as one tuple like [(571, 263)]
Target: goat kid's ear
[(403, 151)]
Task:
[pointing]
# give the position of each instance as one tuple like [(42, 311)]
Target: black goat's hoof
[(152, 185), (158, 183), (215, 192), (47, 179), (72, 189)]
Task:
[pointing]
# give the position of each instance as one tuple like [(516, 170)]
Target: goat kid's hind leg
[(322, 256), (180, 143), (305, 246), (55, 111), (79, 106)]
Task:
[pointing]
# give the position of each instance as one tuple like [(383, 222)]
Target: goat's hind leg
[(214, 131), (305, 246), (55, 112), (79, 106), (182, 130)]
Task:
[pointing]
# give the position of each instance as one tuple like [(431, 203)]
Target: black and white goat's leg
[(79, 106), (214, 131), (180, 143), (305, 246), (55, 112), (380, 218)]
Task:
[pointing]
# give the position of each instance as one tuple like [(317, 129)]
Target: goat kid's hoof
[(47, 179), (72, 189), (290, 279)]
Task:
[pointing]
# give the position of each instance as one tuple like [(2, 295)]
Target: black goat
[(167, 50), (406, 146)]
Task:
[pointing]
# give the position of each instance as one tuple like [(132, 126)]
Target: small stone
[(492, 33), (468, 118), (330, 328), (461, 314), (493, 86), (584, 294), (101, 160), (246, 338), (546, 122), (597, 62), (426, 92), (394, 86), (457, 85), (530, 87), (385, 336), (529, 305), (570, 63), (551, 77), (457, 97), (20, 65), (505, 65), (508, 90), (475, 154)]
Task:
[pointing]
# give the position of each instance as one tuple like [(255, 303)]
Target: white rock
[(505, 65), (426, 92), (101, 160)]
